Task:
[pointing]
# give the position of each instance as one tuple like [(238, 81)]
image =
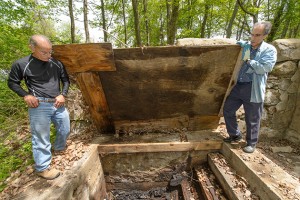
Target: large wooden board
[(85, 57), (159, 147), (169, 82), (90, 85)]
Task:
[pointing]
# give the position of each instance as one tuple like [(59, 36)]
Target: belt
[(47, 100), (244, 83)]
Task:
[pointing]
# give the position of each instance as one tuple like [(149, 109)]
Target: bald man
[(259, 59), (47, 82)]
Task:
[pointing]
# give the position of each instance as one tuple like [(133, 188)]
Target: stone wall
[(282, 104)]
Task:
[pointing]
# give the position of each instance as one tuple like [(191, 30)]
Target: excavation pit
[(162, 166), (165, 168)]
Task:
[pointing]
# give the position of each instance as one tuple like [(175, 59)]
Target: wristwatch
[(63, 94)]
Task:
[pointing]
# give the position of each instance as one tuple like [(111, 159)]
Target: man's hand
[(246, 52), (31, 101), (246, 49), (60, 101)]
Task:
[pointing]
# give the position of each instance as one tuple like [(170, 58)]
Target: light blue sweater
[(262, 64)]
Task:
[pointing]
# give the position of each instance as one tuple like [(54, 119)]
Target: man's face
[(257, 36), (42, 51)]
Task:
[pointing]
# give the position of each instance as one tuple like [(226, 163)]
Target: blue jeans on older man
[(240, 95), (40, 121)]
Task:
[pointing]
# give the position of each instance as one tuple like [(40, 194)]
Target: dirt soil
[(77, 146), (284, 153)]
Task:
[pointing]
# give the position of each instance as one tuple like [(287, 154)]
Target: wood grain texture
[(85, 57), (160, 85), (91, 88), (159, 147), (169, 82)]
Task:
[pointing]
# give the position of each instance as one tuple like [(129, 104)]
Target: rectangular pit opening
[(162, 170)]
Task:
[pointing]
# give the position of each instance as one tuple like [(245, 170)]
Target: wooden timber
[(90, 85), (159, 87), (85, 57), (205, 185), (159, 147)]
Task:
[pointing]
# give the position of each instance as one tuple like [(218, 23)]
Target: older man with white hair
[(259, 59)]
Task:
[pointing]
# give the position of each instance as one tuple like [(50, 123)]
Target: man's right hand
[(246, 49), (31, 101)]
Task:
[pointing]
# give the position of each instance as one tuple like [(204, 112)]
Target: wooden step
[(268, 180), (234, 185)]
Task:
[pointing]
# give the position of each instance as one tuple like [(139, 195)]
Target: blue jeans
[(40, 120), (240, 95)]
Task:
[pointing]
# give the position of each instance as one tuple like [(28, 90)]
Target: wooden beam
[(129, 186), (159, 147), (186, 190), (91, 88), (232, 81), (206, 187), (85, 57)]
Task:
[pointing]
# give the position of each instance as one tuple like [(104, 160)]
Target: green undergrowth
[(15, 144)]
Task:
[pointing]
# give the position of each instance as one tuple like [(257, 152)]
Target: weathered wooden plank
[(159, 147), (233, 80), (186, 190), (174, 195), (91, 88), (205, 185), (147, 53), (160, 83), (85, 57), (226, 176), (134, 185), (184, 121)]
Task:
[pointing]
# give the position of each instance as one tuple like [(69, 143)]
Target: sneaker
[(49, 174), (232, 139), (249, 149), (59, 152)]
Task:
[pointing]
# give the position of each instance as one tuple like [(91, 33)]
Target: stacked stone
[(282, 103)]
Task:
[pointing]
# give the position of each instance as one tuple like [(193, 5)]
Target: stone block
[(287, 49)]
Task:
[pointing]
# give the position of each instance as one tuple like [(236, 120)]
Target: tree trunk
[(203, 24), (296, 31), (168, 7), (172, 25), (233, 16), (243, 7), (276, 21), (161, 29), (124, 22), (190, 18), (146, 23), (103, 21), (285, 28), (72, 21), (136, 23), (86, 22)]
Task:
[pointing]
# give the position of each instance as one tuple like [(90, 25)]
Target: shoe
[(49, 174), (249, 149), (59, 152), (232, 139)]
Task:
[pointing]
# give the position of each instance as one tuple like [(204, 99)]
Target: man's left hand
[(60, 101)]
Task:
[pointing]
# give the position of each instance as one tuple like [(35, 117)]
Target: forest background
[(124, 23)]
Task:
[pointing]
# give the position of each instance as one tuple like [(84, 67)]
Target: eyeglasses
[(44, 53), (256, 35)]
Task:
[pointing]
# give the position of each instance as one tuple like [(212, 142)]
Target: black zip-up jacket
[(43, 79)]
